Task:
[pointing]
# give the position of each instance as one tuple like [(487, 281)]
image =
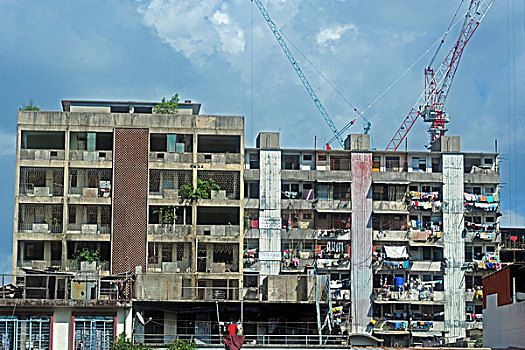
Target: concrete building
[(504, 308), (189, 229)]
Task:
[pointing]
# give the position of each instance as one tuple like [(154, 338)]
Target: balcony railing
[(171, 157), (220, 158), (29, 189), (55, 286), (178, 286), (91, 156), (42, 154), (39, 228), (218, 230), (90, 192), (164, 229), (74, 265), (89, 228)]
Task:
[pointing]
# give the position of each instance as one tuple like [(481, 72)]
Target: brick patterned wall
[(130, 199)]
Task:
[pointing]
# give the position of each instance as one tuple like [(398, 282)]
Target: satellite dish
[(140, 318)]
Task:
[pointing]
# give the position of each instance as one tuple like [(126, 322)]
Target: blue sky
[(222, 54)]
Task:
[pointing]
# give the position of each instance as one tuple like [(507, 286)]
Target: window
[(321, 157), (291, 162), (427, 253), (476, 190), (180, 251), (413, 188), (468, 253), (419, 164), (307, 157), (392, 163), (490, 219), (93, 332), (167, 252), (488, 161), (307, 216), (254, 161), (25, 332), (34, 251), (342, 191)]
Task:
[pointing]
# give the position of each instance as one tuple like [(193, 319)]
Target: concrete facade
[(313, 244)]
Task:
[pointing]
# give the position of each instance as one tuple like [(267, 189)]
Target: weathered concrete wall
[(503, 326), (361, 262), (454, 246), (270, 212)]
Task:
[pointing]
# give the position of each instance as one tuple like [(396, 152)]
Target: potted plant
[(88, 259)]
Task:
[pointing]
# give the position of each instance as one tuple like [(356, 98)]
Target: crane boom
[(437, 83), (298, 70)]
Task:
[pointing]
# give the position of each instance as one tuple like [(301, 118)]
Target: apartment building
[(166, 226)]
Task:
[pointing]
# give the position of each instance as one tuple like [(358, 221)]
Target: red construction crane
[(431, 103)]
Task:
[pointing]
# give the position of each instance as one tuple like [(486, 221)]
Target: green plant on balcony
[(182, 345), (86, 254), (170, 106), (52, 221), (167, 215), (123, 343), (203, 190)]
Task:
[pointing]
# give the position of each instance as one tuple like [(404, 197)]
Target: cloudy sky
[(222, 54)]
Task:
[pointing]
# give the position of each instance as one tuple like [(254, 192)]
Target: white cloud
[(194, 28), (331, 35), (511, 218), (231, 35)]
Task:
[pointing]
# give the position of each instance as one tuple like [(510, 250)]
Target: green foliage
[(30, 106), (203, 190), (121, 343), (479, 341), (246, 221), (167, 215), (182, 345), (86, 254), (170, 106), (51, 221)]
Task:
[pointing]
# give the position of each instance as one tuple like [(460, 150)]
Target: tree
[(203, 190), (30, 106), (86, 254), (167, 107)]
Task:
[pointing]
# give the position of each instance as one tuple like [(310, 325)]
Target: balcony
[(214, 159), (167, 158), (91, 156), (39, 228), (389, 207), (89, 229), (42, 154), (422, 266), (335, 205), (219, 230), (30, 190), (391, 236), (167, 229), (80, 266), (179, 287), (414, 296)]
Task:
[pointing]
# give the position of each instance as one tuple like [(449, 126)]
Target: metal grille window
[(94, 332), (25, 332)]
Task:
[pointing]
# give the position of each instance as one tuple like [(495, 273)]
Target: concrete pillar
[(61, 328), (170, 327), (270, 212), (361, 261), (454, 246)]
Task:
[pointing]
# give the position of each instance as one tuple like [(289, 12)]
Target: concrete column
[(454, 246), (270, 212), (361, 261), (61, 328)]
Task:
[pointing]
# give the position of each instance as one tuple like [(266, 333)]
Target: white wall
[(503, 326)]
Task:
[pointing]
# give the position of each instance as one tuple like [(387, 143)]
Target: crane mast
[(298, 70), (430, 104)]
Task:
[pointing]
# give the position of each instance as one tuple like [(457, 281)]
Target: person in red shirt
[(232, 328)]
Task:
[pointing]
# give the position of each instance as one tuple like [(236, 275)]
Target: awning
[(396, 252)]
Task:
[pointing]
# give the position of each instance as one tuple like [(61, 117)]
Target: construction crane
[(300, 74), (430, 104)]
